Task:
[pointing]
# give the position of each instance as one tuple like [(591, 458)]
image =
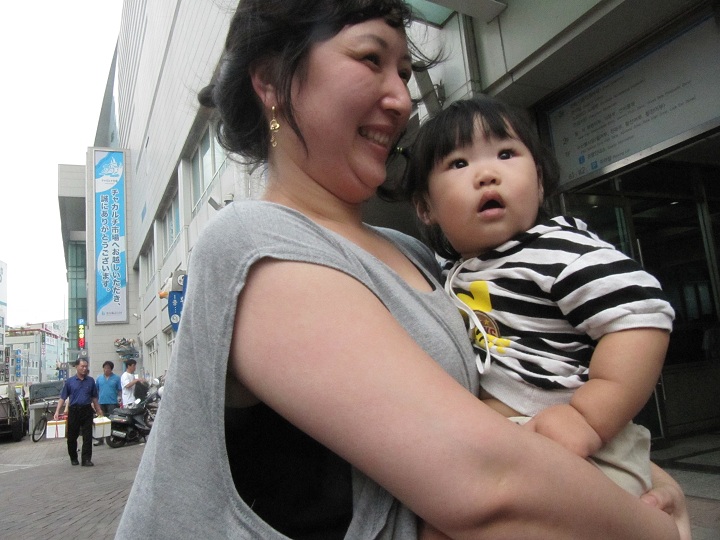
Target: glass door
[(660, 215)]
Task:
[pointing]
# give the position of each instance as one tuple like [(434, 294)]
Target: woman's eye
[(372, 58), (405, 75)]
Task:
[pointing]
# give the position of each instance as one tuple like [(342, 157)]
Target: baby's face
[(484, 194)]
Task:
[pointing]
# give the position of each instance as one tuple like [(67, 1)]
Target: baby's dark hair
[(454, 127), (280, 32)]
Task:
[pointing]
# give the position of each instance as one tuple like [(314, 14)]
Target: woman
[(345, 369)]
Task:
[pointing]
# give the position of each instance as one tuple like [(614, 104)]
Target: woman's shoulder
[(243, 225), (253, 216), (246, 231)]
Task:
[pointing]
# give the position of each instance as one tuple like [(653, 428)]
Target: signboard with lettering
[(670, 93), (176, 298), (110, 243), (81, 333)]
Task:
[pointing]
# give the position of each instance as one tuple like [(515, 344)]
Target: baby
[(570, 333)]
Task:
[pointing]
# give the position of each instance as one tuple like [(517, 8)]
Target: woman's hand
[(667, 495)]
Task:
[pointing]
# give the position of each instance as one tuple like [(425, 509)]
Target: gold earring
[(274, 126)]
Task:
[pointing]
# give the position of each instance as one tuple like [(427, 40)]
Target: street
[(47, 498), (44, 497)]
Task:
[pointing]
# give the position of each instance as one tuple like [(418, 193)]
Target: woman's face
[(351, 105)]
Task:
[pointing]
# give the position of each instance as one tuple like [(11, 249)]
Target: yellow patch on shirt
[(479, 301)]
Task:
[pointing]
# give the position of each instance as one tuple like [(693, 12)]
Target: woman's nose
[(397, 96)]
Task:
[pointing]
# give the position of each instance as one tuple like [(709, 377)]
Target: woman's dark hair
[(453, 128), (280, 32)]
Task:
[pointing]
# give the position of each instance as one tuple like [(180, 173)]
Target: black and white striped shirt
[(544, 298)]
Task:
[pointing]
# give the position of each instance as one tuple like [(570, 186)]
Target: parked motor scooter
[(133, 423), (152, 406)]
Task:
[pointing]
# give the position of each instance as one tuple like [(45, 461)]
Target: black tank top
[(291, 481)]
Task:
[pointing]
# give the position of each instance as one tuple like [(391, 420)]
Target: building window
[(77, 295), (152, 356), (170, 344), (171, 223), (207, 160), (148, 266)]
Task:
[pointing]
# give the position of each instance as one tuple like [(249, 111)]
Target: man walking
[(128, 381), (109, 390), (82, 394)]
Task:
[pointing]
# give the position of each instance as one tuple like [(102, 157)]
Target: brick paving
[(38, 487)]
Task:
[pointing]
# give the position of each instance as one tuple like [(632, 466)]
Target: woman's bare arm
[(324, 352)]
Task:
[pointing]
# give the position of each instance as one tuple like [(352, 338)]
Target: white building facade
[(4, 364), (36, 353)]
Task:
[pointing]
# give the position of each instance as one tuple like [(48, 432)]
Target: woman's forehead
[(378, 31)]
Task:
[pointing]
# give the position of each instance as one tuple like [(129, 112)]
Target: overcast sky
[(54, 58)]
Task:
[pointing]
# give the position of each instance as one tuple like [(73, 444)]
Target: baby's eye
[(457, 163), (505, 154)]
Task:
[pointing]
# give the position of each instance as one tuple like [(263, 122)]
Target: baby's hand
[(565, 425)]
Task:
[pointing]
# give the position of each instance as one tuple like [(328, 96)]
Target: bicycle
[(41, 425)]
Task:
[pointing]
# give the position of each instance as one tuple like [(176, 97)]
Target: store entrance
[(666, 215)]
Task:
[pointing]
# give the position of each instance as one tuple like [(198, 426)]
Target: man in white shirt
[(128, 382)]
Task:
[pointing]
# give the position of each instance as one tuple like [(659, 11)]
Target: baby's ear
[(422, 209), (541, 187)]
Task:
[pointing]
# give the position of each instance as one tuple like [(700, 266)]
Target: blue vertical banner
[(18, 364), (176, 298), (110, 243)]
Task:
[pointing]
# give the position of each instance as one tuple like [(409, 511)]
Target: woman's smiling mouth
[(378, 137)]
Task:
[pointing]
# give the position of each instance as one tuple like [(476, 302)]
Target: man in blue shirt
[(83, 395), (109, 389)]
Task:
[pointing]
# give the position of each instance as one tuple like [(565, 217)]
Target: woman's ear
[(262, 83)]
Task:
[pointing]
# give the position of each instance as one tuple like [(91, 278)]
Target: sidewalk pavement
[(44, 497), (38, 487)]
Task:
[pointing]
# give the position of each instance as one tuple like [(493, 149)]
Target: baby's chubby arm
[(623, 371), (565, 425)]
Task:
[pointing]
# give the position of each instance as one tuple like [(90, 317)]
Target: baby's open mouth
[(490, 205)]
